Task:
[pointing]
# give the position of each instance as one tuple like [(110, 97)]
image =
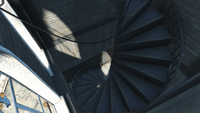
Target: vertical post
[(120, 11), (41, 104), (120, 15), (13, 95)]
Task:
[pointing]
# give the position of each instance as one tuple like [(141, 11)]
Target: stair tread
[(104, 102), (87, 77), (83, 98), (158, 52), (99, 73), (156, 33), (79, 90), (148, 16), (81, 82), (93, 75), (117, 102), (92, 103), (133, 100), (155, 71), (146, 88), (134, 7)]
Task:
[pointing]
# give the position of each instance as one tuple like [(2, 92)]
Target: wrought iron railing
[(121, 12), (174, 26)]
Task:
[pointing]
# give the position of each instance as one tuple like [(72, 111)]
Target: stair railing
[(121, 12), (174, 26)]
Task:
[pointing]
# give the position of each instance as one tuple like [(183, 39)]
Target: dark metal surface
[(147, 90), (177, 34), (132, 99), (78, 74), (177, 41), (120, 16), (160, 80), (143, 23), (117, 101)]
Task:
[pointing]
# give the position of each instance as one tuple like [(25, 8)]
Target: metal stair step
[(83, 98), (117, 102), (132, 99), (148, 19), (147, 90), (154, 37), (87, 77), (104, 103), (93, 75), (135, 9), (99, 73), (157, 55), (80, 82), (152, 72), (92, 103), (80, 90)]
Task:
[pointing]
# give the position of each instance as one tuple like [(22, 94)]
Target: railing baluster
[(174, 63), (164, 3), (175, 49), (172, 72), (176, 31), (174, 23), (171, 15), (176, 39), (120, 16), (176, 56), (168, 80), (168, 8), (125, 11)]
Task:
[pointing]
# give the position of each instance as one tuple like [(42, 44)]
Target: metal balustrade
[(175, 28)]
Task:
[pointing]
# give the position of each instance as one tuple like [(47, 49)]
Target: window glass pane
[(7, 92), (48, 108), (26, 97)]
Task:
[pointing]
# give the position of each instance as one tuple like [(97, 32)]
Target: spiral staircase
[(139, 67)]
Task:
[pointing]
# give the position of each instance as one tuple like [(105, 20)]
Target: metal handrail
[(177, 41)]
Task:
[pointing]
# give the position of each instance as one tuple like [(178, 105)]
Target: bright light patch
[(56, 26)]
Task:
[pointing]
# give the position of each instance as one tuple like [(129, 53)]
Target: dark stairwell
[(143, 62), (146, 54)]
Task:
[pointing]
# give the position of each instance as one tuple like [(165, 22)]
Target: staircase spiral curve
[(139, 68)]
